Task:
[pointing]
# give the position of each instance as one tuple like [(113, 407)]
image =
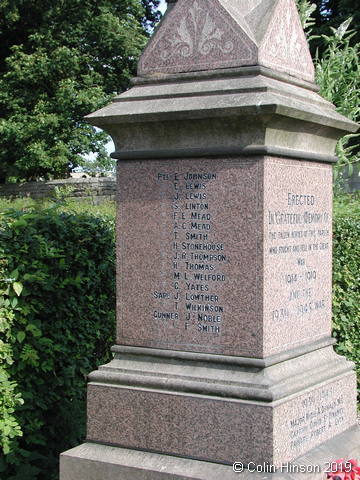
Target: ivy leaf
[(14, 274), (18, 287), (21, 336)]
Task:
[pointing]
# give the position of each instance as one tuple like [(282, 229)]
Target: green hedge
[(56, 324), (346, 288)]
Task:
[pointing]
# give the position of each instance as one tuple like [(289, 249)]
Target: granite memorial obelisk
[(224, 245)]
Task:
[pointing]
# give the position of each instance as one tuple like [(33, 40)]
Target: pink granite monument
[(224, 244)]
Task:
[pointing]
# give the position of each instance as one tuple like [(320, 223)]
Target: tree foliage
[(332, 13), (338, 76), (59, 60)]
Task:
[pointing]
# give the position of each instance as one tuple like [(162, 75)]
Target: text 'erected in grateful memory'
[(299, 235)]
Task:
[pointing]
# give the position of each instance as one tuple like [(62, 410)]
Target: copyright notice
[(328, 468), (266, 467)]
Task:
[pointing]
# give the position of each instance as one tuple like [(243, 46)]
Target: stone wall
[(99, 189)]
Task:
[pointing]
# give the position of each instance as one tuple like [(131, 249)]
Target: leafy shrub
[(346, 286), (347, 205), (338, 75), (9, 398), (57, 320)]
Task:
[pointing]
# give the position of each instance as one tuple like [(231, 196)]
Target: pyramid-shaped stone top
[(198, 35)]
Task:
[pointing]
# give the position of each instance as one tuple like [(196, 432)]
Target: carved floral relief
[(197, 33), (205, 37)]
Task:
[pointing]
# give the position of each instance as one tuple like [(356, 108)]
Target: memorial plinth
[(224, 245)]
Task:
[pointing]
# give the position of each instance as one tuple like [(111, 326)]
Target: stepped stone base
[(201, 408), (92, 461)]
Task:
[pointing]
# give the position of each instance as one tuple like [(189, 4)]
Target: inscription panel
[(314, 417), (298, 253), (209, 262), (188, 261)]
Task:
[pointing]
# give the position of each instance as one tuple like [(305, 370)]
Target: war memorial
[(224, 351)]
